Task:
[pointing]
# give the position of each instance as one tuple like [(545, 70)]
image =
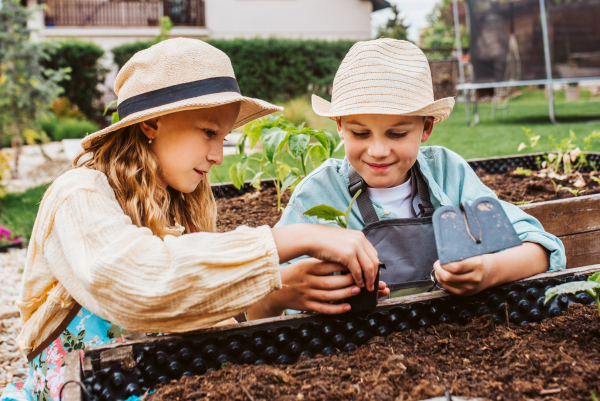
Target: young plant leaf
[(317, 154), (298, 144), (572, 288), (271, 141), (324, 212), (255, 183), (595, 277), (241, 145), (237, 173), (290, 181)]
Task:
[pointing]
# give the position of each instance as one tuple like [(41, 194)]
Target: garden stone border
[(118, 371)]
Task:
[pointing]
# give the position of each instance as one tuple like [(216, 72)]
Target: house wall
[(306, 19)]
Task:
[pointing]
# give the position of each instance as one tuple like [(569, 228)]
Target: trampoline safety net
[(506, 39)]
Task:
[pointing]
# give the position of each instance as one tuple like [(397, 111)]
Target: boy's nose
[(378, 150)]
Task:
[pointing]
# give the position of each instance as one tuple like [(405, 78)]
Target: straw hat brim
[(250, 110), (439, 110)]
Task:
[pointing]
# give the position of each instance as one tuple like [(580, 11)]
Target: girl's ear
[(150, 127), (427, 129), (338, 121)]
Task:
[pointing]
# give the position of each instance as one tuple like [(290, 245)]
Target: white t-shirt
[(396, 199)]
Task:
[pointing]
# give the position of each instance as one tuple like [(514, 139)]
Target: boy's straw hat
[(176, 75), (383, 76)]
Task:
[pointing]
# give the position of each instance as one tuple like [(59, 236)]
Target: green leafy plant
[(329, 213), (522, 171), (281, 141), (591, 286)]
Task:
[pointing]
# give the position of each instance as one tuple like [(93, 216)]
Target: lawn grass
[(19, 210), (498, 137)]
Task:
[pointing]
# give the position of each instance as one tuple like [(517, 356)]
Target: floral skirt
[(47, 370)]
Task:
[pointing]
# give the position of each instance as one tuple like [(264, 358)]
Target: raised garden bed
[(116, 371)]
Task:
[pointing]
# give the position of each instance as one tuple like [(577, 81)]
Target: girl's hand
[(349, 248), (465, 277), (308, 286)]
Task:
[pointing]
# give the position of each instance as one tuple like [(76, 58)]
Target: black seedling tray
[(283, 340)]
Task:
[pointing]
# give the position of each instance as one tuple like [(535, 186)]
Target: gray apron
[(406, 246)]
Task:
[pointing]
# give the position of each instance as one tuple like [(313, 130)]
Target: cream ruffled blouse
[(83, 248)]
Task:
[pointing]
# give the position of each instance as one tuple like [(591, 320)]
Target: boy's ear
[(427, 129), (150, 127), (338, 121)]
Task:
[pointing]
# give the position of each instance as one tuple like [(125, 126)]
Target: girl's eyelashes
[(210, 133)]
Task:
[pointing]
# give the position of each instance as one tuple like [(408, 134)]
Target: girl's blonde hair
[(132, 169)]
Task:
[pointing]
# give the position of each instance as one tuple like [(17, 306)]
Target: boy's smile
[(383, 148)]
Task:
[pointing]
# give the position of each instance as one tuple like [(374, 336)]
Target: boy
[(384, 108)]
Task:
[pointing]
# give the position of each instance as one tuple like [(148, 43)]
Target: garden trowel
[(472, 230)]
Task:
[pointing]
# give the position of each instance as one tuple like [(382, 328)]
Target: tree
[(440, 33), (395, 27), (26, 88)]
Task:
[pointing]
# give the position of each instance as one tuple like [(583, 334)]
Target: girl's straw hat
[(176, 75), (383, 76)]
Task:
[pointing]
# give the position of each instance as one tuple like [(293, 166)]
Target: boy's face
[(383, 148)]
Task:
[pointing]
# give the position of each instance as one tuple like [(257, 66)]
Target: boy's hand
[(465, 277)]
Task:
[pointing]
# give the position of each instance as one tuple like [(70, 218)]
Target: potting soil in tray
[(558, 359), (257, 208)]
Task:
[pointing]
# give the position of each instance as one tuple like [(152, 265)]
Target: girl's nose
[(215, 156)]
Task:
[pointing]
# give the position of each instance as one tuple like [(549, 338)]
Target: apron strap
[(426, 206), (367, 211)]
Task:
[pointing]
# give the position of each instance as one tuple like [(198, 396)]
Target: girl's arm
[(469, 276), (309, 285)]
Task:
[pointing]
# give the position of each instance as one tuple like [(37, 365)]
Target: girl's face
[(188, 143), (383, 148)]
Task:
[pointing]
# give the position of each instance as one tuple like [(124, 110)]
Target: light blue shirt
[(450, 178)]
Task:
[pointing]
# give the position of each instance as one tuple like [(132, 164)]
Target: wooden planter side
[(576, 221)]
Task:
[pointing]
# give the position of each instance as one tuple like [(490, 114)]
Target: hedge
[(86, 73), (272, 69)]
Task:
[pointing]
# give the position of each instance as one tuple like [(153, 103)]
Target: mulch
[(558, 359)]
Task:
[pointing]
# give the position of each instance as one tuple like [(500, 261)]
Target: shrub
[(68, 128), (86, 73), (272, 69)]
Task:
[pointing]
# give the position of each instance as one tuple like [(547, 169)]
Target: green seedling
[(281, 142), (532, 140), (596, 180), (591, 286), (594, 398), (557, 187), (523, 202), (329, 213), (574, 192), (522, 171)]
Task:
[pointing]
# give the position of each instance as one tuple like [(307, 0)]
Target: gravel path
[(13, 365)]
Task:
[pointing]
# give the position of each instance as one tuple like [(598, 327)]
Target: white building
[(110, 23)]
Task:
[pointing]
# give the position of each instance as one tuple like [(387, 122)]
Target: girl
[(126, 239)]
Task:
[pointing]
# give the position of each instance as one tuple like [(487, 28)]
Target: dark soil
[(257, 208), (558, 359), (519, 188), (252, 209)]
